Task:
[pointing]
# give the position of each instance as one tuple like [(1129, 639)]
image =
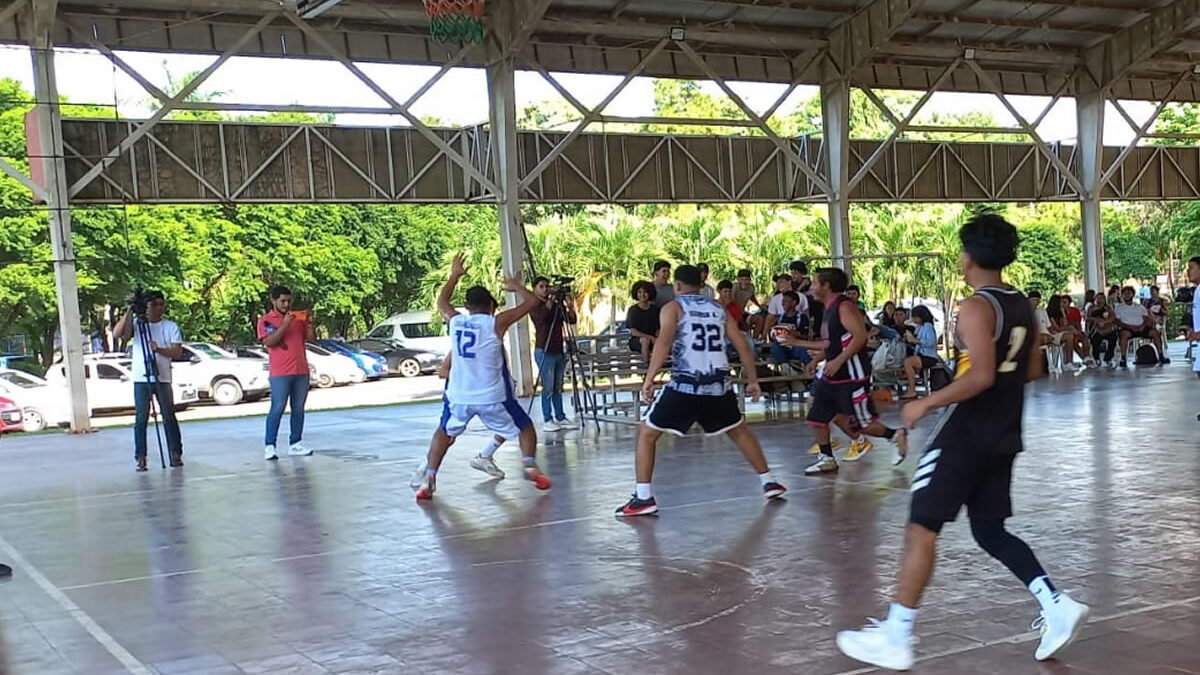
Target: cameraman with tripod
[(556, 307), (156, 341)]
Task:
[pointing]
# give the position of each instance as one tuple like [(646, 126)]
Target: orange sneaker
[(539, 479), (428, 487)]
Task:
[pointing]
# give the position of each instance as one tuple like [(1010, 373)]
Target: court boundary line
[(106, 640)]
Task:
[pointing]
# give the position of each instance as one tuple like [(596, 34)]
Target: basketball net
[(457, 21)]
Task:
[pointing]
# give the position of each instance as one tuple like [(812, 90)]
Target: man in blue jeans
[(284, 333), (165, 344), (549, 317)]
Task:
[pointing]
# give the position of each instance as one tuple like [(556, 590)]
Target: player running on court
[(695, 330), (845, 384), (970, 459), (479, 384)]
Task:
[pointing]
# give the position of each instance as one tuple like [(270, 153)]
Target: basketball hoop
[(457, 21)]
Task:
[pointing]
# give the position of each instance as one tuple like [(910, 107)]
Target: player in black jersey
[(970, 459), (844, 388)]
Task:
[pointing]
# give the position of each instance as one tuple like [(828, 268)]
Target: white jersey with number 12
[(479, 372)]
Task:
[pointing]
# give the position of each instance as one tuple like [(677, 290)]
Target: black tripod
[(150, 363), (582, 405)]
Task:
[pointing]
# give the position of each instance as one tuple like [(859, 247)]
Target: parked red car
[(11, 417)]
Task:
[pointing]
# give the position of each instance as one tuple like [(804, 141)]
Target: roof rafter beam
[(854, 41), (1114, 58)]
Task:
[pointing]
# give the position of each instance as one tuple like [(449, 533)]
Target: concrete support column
[(1090, 114), (51, 169), (503, 115), (835, 120)]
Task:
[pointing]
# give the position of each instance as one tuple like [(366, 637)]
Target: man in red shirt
[(284, 332)]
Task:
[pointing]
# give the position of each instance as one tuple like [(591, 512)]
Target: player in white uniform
[(479, 384), (1193, 274), (695, 330)]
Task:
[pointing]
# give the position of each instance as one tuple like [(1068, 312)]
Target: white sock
[(491, 448), (643, 491), (766, 477), (1044, 593), (899, 623)]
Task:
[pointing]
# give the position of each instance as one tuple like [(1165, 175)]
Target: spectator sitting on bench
[(926, 355), (783, 283), (1041, 320), (904, 330), (791, 328), (1064, 333), (1102, 329), (1157, 306), (642, 319), (725, 296), (887, 321), (1134, 320)]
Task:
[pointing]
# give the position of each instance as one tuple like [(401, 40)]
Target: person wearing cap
[(694, 332), (479, 385)]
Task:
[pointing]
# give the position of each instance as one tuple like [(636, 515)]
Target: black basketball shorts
[(675, 412), (852, 399), (954, 473)]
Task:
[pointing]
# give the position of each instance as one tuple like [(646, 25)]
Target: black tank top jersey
[(990, 422), (837, 338)]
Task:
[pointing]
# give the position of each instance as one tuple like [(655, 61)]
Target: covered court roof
[(1141, 49)]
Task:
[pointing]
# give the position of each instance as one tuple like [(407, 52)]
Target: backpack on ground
[(1146, 355)]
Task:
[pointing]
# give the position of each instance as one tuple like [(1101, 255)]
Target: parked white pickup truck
[(221, 375)]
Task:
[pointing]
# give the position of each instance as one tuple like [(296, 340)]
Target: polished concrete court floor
[(327, 565)]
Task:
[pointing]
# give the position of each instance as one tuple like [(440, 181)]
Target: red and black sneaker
[(773, 490), (638, 507)]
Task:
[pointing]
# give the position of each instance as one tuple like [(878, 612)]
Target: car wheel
[(227, 392), (325, 381), (410, 368), (34, 421)]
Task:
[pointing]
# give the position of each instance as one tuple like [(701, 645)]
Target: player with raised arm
[(970, 458), (479, 384), (693, 332)]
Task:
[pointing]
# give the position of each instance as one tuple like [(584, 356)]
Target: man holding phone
[(284, 333)]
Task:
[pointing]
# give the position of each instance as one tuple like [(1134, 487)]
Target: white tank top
[(699, 364), (478, 370)]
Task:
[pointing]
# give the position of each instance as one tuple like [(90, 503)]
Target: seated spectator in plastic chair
[(745, 296), (1102, 330), (642, 319), (1134, 321), (1041, 319), (792, 327), (886, 322), (926, 354), (1064, 333)]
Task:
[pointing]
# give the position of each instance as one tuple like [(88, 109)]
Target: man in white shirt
[(775, 308), (1134, 320), (156, 341)]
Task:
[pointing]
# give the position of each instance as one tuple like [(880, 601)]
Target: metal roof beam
[(854, 41), (1114, 58)]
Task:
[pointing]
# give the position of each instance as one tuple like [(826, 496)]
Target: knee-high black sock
[(1008, 549)]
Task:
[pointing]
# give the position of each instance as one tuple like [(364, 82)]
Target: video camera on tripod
[(138, 302), (560, 287)]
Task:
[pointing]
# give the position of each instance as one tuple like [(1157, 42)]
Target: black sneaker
[(638, 507), (1123, 365), (773, 490)]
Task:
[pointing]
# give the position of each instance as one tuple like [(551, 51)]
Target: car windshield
[(210, 351), (20, 380), (319, 351)]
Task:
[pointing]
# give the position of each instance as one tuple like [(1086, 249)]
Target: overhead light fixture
[(678, 33), (969, 55), (311, 9)]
